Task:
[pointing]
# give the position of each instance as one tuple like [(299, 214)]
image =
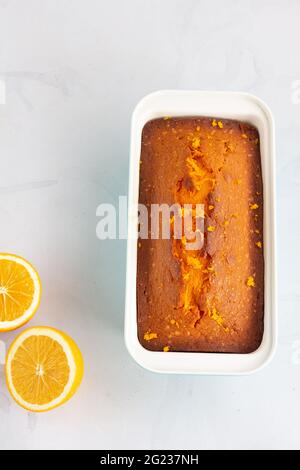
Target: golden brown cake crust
[(210, 300)]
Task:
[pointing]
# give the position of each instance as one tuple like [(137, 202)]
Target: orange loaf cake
[(210, 299)]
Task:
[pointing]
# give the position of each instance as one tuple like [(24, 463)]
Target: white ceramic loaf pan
[(244, 107)]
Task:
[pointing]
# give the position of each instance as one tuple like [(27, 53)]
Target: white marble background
[(74, 70)]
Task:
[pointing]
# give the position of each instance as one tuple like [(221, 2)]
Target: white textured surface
[(74, 70)]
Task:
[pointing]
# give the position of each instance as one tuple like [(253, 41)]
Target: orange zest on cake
[(208, 302)]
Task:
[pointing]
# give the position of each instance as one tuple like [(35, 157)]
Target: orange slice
[(44, 368), (20, 291)]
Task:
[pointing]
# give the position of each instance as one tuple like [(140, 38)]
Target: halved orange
[(20, 291), (44, 368)]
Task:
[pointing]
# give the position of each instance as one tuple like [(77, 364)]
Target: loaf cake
[(209, 299)]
